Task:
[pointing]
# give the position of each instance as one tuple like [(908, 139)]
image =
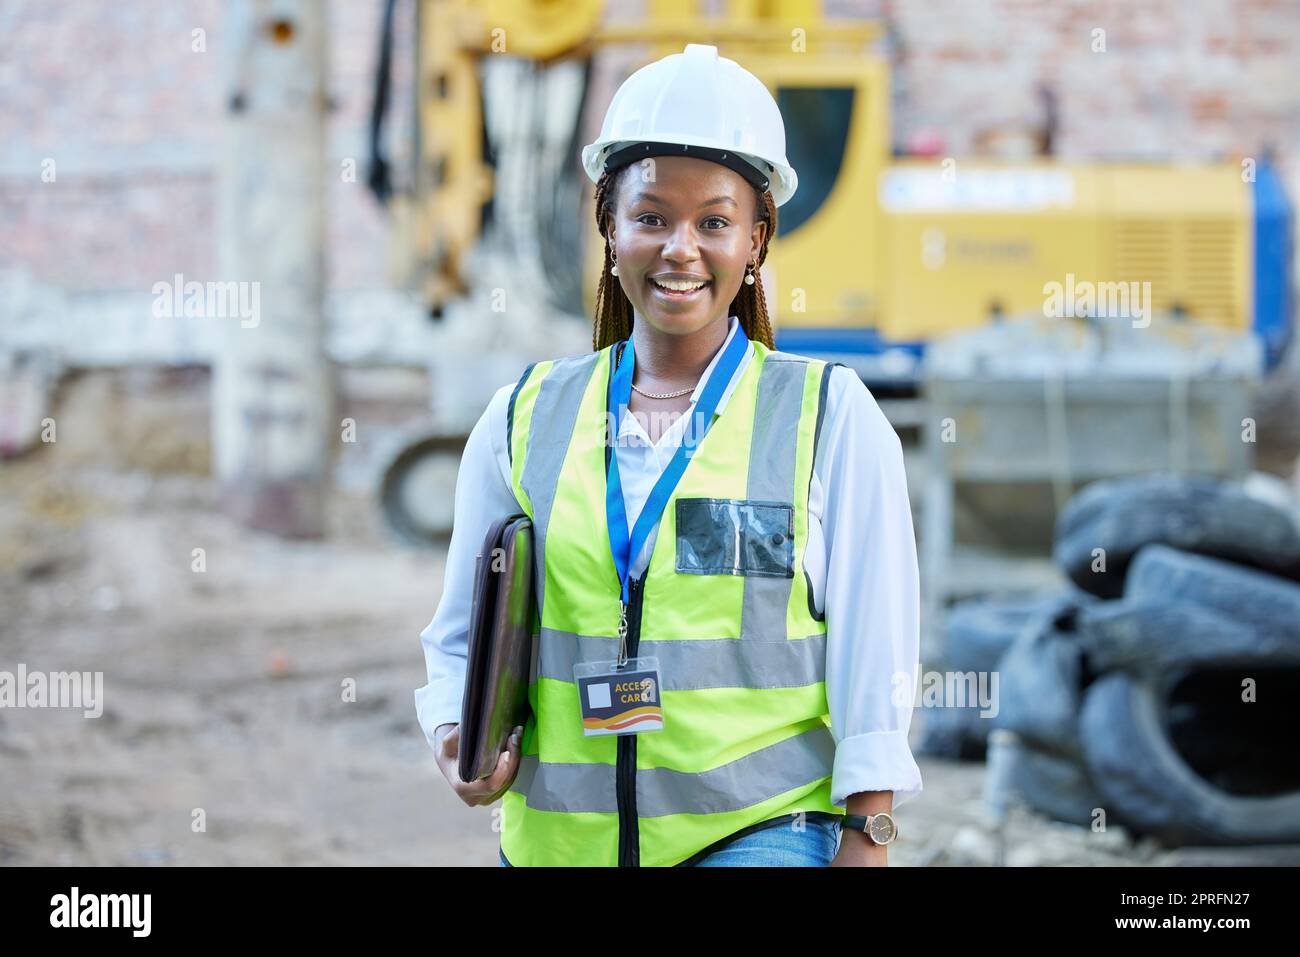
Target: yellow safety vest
[(724, 604)]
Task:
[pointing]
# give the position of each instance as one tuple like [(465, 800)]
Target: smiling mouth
[(678, 289)]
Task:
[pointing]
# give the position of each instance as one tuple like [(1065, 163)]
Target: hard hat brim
[(623, 156), (779, 178)]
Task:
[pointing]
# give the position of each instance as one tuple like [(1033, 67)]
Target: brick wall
[(131, 115), (1178, 79)]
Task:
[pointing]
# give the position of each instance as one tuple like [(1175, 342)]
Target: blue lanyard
[(626, 547)]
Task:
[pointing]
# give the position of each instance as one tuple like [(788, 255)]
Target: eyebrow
[(652, 198)]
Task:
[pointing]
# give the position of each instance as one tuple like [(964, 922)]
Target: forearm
[(870, 802)]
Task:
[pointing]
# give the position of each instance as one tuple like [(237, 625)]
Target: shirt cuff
[(439, 703), (875, 761)]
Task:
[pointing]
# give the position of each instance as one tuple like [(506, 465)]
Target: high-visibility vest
[(724, 604)]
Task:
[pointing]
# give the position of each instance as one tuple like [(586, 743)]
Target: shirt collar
[(733, 324)]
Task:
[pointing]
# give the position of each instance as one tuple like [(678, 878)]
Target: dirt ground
[(223, 689)]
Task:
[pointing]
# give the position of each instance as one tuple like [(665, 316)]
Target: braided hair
[(614, 309)]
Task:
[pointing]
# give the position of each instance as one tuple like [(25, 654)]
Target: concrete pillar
[(274, 419)]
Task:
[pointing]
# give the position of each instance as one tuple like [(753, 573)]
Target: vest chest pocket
[(732, 536)]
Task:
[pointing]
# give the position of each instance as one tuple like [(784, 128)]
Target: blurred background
[(263, 263)]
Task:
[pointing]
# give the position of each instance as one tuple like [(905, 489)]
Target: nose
[(682, 245)]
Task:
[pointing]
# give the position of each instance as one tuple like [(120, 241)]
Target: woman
[(739, 555)]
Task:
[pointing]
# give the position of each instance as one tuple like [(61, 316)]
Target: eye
[(722, 223)]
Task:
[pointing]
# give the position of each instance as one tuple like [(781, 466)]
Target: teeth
[(678, 285)]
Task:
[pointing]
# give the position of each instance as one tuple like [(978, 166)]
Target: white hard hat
[(696, 103)]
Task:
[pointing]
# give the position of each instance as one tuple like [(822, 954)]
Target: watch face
[(882, 828)]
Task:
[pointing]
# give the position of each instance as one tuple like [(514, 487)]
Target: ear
[(757, 237), (611, 213)]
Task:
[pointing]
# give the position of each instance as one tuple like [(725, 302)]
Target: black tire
[(955, 734), (978, 632), (1192, 513), (1056, 786), (1153, 637), (1267, 604), (1040, 690), (424, 528), (1148, 786)]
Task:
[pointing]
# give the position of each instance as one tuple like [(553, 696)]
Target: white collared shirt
[(860, 557)]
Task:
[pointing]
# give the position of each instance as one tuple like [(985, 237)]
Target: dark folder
[(500, 646)]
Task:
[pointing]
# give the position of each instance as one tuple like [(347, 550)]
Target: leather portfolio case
[(500, 650)]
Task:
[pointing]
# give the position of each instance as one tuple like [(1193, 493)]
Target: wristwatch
[(879, 827)]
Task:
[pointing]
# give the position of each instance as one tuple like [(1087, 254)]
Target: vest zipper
[(629, 838)]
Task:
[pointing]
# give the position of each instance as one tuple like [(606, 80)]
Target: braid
[(750, 304), (613, 308)]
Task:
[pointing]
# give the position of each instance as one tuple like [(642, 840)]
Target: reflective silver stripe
[(795, 762), (550, 428), (771, 477), (689, 664), (566, 787)]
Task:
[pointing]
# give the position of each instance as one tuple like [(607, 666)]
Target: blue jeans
[(777, 846)]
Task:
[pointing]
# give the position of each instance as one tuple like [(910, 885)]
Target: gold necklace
[(665, 395)]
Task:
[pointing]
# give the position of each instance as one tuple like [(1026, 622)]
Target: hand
[(487, 790), (858, 850)]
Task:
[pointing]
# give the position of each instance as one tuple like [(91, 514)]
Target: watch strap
[(855, 822)]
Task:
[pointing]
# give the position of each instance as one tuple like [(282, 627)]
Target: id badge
[(620, 700)]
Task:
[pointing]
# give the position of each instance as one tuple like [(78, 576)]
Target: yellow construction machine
[(877, 254)]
